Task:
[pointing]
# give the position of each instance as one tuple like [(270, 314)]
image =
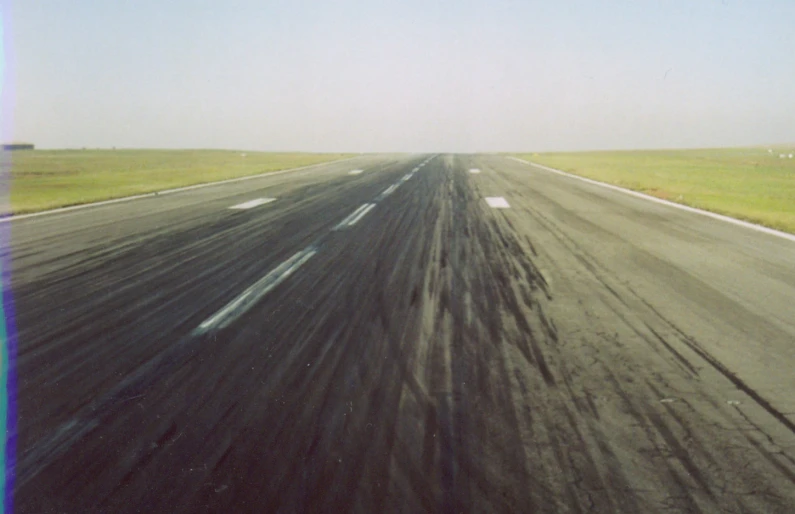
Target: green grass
[(46, 179), (746, 183)]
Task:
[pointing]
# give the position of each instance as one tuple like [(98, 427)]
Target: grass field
[(752, 184), (46, 179)]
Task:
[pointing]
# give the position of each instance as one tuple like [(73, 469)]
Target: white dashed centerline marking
[(355, 216), (253, 203), (361, 214), (248, 298), (474, 170), (253, 294), (263, 286), (388, 191), (497, 202), (344, 223)]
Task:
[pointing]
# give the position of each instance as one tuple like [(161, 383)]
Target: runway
[(394, 333)]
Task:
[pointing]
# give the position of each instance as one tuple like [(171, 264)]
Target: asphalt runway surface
[(387, 341)]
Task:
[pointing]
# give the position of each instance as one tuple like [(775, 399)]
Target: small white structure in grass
[(242, 155), (790, 155), (769, 150), (781, 156)]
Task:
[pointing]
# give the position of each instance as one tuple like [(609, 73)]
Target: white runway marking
[(361, 214), (497, 202), (388, 191), (253, 203), (474, 170), (728, 219), (253, 294), (406, 177), (344, 223), (355, 216), (355, 172)]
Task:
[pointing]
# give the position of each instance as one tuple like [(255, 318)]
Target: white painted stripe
[(497, 202), (165, 192), (355, 172), (407, 176), (388, 191), (415, 170), (344, 223), (721, 217), (474, 170), (253, 294), (361, 215), (253, 203)]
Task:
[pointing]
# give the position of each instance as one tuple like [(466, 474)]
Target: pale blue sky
[(409, 76)]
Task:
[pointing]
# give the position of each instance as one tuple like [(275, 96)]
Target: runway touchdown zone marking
[(497, 202), (355, 172), (253, 203)]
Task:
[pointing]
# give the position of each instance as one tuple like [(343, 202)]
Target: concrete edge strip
[(721, 217), (166, 191)]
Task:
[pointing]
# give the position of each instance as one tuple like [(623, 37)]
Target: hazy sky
[(413, 75)]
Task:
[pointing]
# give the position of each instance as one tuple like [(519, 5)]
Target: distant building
[(17, 146)]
